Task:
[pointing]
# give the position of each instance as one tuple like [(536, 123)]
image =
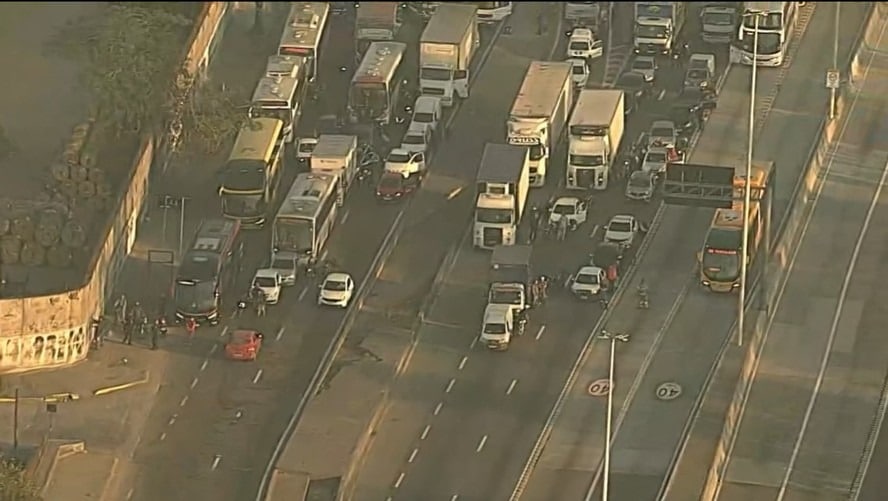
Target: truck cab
[(497, 327), (658, 26), (510, 278)]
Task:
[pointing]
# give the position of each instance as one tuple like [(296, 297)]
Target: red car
[(243, 344), (395, 185)]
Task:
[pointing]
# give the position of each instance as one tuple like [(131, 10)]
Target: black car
[(633, 84)]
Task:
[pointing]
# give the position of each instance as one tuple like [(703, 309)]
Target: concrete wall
[(52, 331)]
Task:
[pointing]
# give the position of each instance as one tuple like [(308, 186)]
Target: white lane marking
[(450, 385), (481, 443), (454, 193), (193, 383), (183, 401), (163, 436), (594, 231), (224, 331), (302, 294), (345, 216), (425, 432), (462, 363), (172, 420), (472, 344), (399, 480), (213, 348), (511, 386), (257, 376), (824, 361), (454, 497), (203, 365), (661, 95), (216, 460), (279, 334), (540, 332), (129, 494), (438, 408), (413, 455)]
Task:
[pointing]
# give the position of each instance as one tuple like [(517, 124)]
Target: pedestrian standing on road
[(155, 337), (128, 333), (562, 228)]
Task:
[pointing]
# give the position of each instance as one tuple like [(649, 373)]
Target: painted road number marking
[(668, 391), (599, 388)]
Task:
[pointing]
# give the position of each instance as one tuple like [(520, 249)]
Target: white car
[(571, 208), (287, 267), (304, 148), (646, 66), (337, 290), (417, 140), (655, 161), (426, 113), (405, 162), (662, 133), (579, 72), (587, 282), (584, 45), (269, 281), (621, 229)]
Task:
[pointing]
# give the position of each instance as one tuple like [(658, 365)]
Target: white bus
[(775, 22), (306, 218), (376, 86), (303, 33)]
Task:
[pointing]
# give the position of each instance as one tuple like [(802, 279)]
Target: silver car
[(640, 186), (655, 161), (646, 66), (662, 133), (417, 140)]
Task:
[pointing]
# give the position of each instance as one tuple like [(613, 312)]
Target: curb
[(105, 390)]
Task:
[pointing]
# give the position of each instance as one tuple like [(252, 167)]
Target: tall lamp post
[(833, 108), (614, 339), (747, 189)]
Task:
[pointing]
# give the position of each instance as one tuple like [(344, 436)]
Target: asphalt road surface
[(215, 422), (465, 419), (817, 397), (679, 338)]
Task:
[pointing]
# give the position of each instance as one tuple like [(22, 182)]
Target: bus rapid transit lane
[(807, 427), (405, 450), (642, 459)]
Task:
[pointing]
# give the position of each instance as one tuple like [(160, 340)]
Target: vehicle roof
[(501, 163), (496, 310), (582, 32), (276, 87), (566, 201), (335, 145), (449, 23), (641, 173), (645, 58), (337, 277), (242, 335), (622, 218), (380, 62), (657, 149), (662, 123), (426, 102), (590, 270), (541, 89), (266, 273), (575, 61)]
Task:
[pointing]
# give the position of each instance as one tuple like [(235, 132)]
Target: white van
[(584, 45), (426, 113), (497, 328)]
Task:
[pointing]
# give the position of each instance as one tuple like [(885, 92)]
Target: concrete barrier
[(787, 239), (52, 330)]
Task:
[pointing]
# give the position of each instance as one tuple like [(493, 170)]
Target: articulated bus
[(303, 33), (721, 257), (775, 23), (375, 90), (252, 174), (306, 219)]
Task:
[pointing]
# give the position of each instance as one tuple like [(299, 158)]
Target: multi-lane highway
[(464, 420), (215, 422), (680, 337), (817, 397)]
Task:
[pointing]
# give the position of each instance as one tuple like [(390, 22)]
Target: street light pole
[(833, 92), (608, 434), (747, 188)]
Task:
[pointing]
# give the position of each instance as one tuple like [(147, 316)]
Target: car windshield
[(423, 117), (415, 139), (334, 285), (497, 328), (656, 157), (264, 282), (620, 227), (721, 266), (639, 181), (564, 209), (662, 132), (718, 18), (398, 158), (587, 279), (697, 74), (643, 64), (307, 147), (282, 264)]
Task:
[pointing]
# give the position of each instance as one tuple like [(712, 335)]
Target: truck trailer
[(502, 185), (446, 49), (539, 113), (658, 26), (509, 278), (594, 135), (336, 155), (375, 22)]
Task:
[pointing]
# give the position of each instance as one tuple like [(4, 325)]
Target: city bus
[(303, 34), (720, 259), (209, 267), (252, 173), (278, 97), (776, 23), (376, 87), (306, 219)]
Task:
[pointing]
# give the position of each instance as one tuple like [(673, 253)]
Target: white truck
[(375, 22), (336, 155), (446, 49), (497, 327), (719, 22), (658, 26), (594, 135), (503, 182), (539, 113), (583, 14)]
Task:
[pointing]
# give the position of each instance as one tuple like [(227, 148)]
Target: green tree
[(213, 116), (14, 486), (133, 70)]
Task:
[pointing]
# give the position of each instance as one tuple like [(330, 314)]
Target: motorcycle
[(643, 302), (364, 174)]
